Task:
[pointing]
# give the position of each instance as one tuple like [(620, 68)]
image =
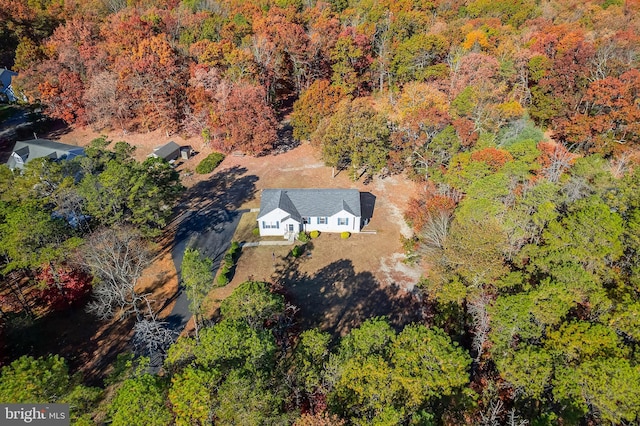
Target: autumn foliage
[(493, 157), (63, 287), (419, 210)]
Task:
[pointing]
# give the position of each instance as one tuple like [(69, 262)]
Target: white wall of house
[(18, 159), (339, 222), (294, 224), (270, 224)]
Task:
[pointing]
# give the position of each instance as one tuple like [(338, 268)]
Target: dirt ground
[(343, 282)]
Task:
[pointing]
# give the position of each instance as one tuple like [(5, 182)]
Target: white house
[(6, 90), (286, 212), (25, 151)]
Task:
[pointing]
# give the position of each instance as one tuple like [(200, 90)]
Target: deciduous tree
[(357, 137), (116, 258)]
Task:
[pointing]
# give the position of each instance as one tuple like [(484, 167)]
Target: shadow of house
[(336, 299), (367, 206)]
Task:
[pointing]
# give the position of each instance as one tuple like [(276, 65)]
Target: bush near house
[(255, 232), (303, 237), (209, 163), (297, 251), (344, 235), (314, 234), (229, 261)]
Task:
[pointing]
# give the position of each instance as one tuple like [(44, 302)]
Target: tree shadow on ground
[(336, 299), (286, 141), (225, 189), (208, 216), (88, 344)]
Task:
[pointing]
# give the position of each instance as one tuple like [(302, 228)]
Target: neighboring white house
[(25, 151), (286, 212), (6, 90)]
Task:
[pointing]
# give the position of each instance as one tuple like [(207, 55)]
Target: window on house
[(270, 225), (322, 221), (343, 221)]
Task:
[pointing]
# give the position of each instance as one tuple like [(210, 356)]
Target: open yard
[(342, 282), (338, 283)]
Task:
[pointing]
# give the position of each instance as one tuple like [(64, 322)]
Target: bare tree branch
[(116, 257)]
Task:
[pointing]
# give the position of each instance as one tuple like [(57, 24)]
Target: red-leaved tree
[(63, 287)]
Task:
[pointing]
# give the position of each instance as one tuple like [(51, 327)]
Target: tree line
[(252, 368), (531, 256), (223, 69)]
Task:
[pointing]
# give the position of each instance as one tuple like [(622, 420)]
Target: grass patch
[(209, 163), (247, 229)]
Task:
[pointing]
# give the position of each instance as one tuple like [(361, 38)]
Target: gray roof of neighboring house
[(39, 148), (167, 151), (301, 203), (5, 77)]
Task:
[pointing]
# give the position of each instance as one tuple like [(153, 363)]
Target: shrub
[(235, 246), (223, 279), (297, 251), (256, 232), (344, 235), (209, 163), (303, 237), (224, 269), (228, 262), (314, 234)]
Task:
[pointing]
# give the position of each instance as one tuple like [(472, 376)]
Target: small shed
[(170, 151), (186, 152)]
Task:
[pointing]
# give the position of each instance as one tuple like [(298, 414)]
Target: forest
[(519, 119)]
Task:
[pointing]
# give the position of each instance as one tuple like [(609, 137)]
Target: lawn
[(331, 282), (342, 282), (244, 231)]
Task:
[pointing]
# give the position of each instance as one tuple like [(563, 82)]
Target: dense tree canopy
[(518, 119)]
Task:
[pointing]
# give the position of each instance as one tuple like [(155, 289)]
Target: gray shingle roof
[(38, 148), (301, 203), (5, 78), (169, 151)]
